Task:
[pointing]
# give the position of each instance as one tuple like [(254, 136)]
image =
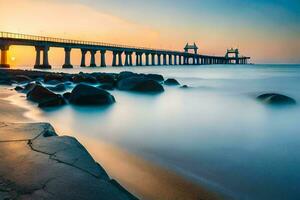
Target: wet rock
[(184, 87), (52, 76), (53, 82), (22, 78), (124, 75), (82, 78), (58, 88), (88, 95), (29, 86), (171, 82), (67, 95), (107, 86), (44, 97), (156, 77), (19, 88), (276, 99), (140, 84), (105, 78)]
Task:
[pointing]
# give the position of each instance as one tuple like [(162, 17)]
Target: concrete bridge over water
[(143, 56)]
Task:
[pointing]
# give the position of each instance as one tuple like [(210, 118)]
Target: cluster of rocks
[(46, 88)]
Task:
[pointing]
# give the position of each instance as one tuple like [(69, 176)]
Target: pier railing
[(9, 35)]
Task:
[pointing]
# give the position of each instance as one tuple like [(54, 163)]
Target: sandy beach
[(141, 178)]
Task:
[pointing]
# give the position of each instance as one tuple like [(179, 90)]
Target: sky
[(268, 31)]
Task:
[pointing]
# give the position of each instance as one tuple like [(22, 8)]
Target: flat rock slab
[(38, 164)]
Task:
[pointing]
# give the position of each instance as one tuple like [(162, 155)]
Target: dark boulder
[(88, 95), (171, 82), (44, 97), (58, 88), (53, 76), (53, 82), (105, 78), (107, 86), (19, 88), (67, 95), (124, 75), (155, 77), (184, 87), (83, 78), (276, 99), (140, 84), (22, 78), (29, 86)]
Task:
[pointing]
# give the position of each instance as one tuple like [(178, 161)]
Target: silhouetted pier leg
[(126, 59), (37, 57), (114, 61), (83, 53), (4, 63), (147, 59), (67, 58), (159, 59), (170, 60), (153, 59), (141, 59), (137, 58), (45, 64), (120, 59), (175, 59), (165, 59), (130, 59), (93, 62), (180, 60), (103, 62)]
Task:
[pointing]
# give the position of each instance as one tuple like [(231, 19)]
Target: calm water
[(214, 133)]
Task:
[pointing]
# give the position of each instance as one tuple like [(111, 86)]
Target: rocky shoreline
[(39, 164)]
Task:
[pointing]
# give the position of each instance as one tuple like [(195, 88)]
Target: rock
[(53, 82), (58, 88), (107, 86), (19, 88), (124, 75), (88, 95), (156, 77), (140, 84), (276, 99), (171, 82), (22, 78), (184, 87), (52, 76), (105, 78), (82, 78), (67, 95), (44, 97), (29, 86)]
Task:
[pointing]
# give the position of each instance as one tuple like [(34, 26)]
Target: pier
[(144, 56)]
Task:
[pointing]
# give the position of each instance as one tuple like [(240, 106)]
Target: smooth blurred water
[(214, 133)]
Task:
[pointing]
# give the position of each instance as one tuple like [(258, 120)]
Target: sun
[(13, 58)]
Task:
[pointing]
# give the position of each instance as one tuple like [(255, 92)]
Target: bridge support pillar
[(114, 60), (45, 64), (103, 62), (126, 59), (164, 59), (120, 62), (93, 61), (153, 59), (159, 59), (130, 59), (170, 59), (67, 58), (37, 57), (175, 59), (137, 59), (4, 63), (180, 60), (147, 59), (83, 53)]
